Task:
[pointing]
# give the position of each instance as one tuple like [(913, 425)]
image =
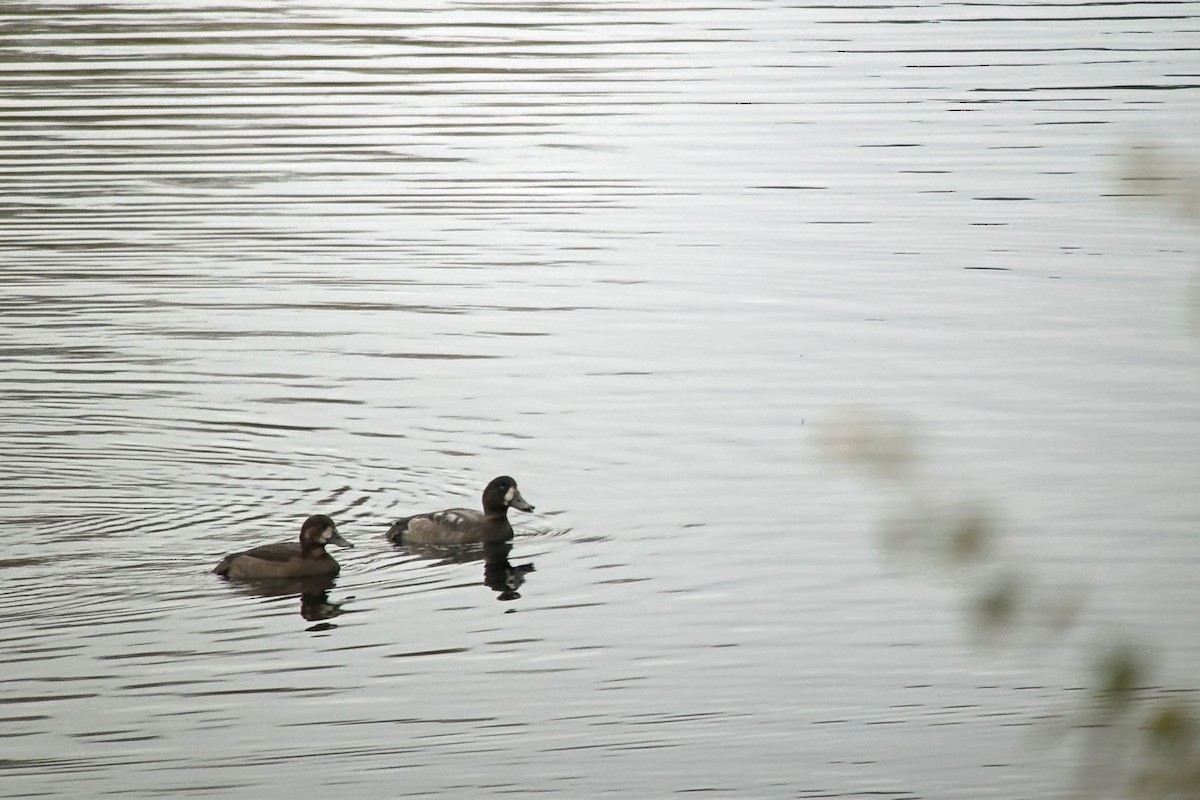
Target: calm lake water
[(271, 259)]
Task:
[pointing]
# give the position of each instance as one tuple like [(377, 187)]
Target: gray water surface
[(265, 260)]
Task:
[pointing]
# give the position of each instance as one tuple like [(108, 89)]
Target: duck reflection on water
[(499, 574), (315, 605)]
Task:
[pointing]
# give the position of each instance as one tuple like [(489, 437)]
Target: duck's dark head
[(318, 531), (501, 493)]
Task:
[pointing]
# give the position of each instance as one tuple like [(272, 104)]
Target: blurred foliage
[(1136, 745), (1170, 180), (1164, 176)]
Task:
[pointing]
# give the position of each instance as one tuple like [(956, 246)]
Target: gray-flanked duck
[(463, 526)]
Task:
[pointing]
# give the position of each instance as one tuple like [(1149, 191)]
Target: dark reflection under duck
[(315, 605), (499, 574)]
